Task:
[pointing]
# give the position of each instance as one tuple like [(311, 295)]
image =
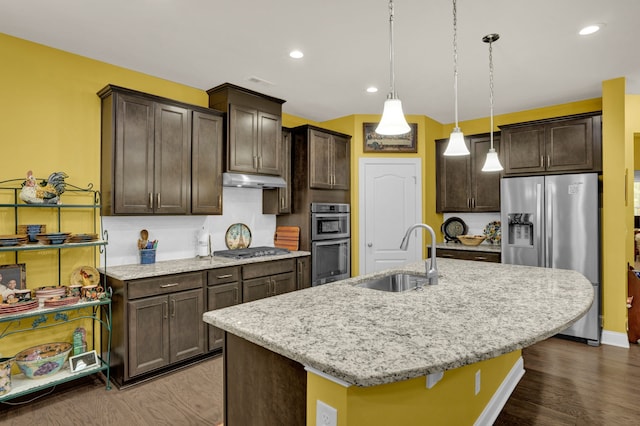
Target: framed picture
[(82, 361), (13, 277), (374, 142)]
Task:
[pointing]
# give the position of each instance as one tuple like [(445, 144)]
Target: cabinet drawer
[(264, 269), (164, 285), (223, 275), (469, 255)]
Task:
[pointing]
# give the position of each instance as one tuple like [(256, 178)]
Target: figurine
[(45, 192)]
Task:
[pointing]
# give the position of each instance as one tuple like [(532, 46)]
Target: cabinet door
[(278, 200), (134, 150), (148, 334), (186, 328), (220, 296), (206, 163), (569, 145), (243, 136), (319, 160), (524, 149), (283, 283), (256, 288), (341, 163), (303, 269), (485, 186), (269, 144), (452, 181), (172, 167)]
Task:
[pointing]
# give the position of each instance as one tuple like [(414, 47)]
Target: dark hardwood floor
[(571, 383), (566, 383)]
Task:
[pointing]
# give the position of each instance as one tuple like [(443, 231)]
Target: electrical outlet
[(477, 382), (326, 415)]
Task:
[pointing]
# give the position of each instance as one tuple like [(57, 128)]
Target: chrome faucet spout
[(431, 268)]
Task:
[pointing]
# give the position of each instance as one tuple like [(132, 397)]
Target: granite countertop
[(136, 271), (485, 247), (367, 337)]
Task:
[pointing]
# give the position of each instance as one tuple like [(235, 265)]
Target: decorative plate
[(85, 275), (453, 227), (238, 236), (493, 232)]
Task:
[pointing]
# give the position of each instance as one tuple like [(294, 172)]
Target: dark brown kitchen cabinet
[(278, 201), (303, 268), (461, 185), (223, 289), (157, 323), (254, 126), (148, 148), (479, 256), (559, 145), (266, 279), (206, 163)]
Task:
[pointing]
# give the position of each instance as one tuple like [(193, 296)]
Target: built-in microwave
[(329, 221)]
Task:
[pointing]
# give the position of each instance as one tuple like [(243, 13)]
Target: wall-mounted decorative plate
[(453, 227), (238, 236)]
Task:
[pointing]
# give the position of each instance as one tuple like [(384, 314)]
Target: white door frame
[(417, 163)]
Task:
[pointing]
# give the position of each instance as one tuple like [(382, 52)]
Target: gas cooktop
[(249, 252)]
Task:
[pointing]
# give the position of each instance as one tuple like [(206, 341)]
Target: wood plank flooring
[(566, 383)]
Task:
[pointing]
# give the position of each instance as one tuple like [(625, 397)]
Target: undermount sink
[(395, 282)]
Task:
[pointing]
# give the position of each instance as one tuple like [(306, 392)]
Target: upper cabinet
[(560, 145), (461, 185), (326, 157), (278, 200), (147, 155), (254, 124)]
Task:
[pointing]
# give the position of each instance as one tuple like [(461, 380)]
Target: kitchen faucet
[(430, 264)]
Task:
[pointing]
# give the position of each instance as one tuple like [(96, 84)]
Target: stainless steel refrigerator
[(554, 222)]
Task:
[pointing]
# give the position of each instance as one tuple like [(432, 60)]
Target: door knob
[(370, 245)]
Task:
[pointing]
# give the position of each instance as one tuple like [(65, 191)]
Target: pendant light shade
[(456, 145), (392, 121), (492, 163)]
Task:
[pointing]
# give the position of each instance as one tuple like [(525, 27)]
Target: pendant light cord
[(491, 87), (392, 94), (455, 62)]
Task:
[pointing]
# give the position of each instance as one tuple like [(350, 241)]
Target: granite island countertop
[(166, 267), (367, 337)]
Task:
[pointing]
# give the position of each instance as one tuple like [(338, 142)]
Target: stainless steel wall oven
[(330, 243)]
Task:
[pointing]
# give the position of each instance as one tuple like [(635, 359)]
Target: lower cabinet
[(303, 267), (157, 322), (223, 289), (265, 279), (481, 256)]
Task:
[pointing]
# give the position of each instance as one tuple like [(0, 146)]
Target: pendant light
[(392, 121), (492, 163), (456, 145)]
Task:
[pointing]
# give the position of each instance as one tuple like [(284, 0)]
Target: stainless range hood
[(241, 180)]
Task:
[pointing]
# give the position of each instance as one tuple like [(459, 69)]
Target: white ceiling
[(540, 59)]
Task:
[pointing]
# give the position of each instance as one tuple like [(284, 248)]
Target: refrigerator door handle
[(549, 226), (538, 232)]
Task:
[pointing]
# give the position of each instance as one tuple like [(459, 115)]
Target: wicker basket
[(471, 240)]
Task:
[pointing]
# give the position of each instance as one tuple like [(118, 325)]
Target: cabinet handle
[(255, 162), (169, 285), (447, 255), (541, 160), (165, 308), (220, 200), (235, 295), (273, 287), (150, 200), (548, 161), (282, 203), (480, 258), (173, 308), (158, 199), (224, 276)]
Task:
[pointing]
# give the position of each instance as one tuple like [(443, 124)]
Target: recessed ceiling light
[(590, 29), (296, 54), (372, 89)]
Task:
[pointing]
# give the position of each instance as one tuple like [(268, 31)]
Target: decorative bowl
[(471, 240), (43, 360)]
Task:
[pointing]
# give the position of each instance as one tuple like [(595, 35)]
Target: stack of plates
[(53, 238), (60, 301), (12, 308), (32, 231), (82, 238), (44, 293), (13, 240)]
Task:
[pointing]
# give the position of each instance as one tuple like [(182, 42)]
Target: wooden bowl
[(471, 240)]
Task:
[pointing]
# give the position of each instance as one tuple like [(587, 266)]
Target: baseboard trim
[(614, 338), (499, 399)]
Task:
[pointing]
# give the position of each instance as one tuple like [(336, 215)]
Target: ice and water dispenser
[(520, 229)]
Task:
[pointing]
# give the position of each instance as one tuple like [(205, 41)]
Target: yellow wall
[(452, 401)]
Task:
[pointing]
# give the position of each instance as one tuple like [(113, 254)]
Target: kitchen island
[(367, 352)]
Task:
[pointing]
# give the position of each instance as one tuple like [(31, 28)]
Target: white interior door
[(390, 202)]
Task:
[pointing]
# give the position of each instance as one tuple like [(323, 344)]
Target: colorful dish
[(493, 233)]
